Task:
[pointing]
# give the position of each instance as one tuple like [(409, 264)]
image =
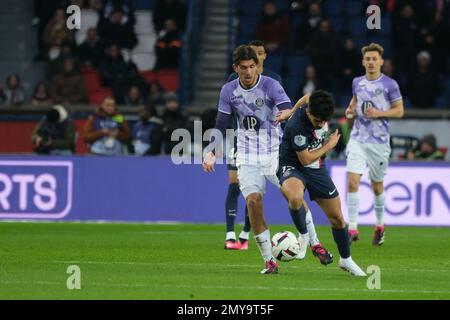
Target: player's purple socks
[(342, 240), (299, 218), (231, 205)]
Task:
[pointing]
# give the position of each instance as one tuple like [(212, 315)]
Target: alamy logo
[(373, 17), (35, 189), (74, 20)]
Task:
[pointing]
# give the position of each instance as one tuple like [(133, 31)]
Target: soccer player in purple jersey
[(255, 101), (376, 98), (324, 256)]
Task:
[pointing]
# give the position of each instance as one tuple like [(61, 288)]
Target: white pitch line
[(225, 265), (153, 286)]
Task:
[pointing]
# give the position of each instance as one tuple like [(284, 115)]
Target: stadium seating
[(333, 8), (292, 84), (144, 4), (274, 62), (353, 8), (247, 26), (357, 27), (149, 76), (144, 61), (92, 81), (168, 79), (146, 43), (96, 97), (296, 64), (144, 22), (250, 8)]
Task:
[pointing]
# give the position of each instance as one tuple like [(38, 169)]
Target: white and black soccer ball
[(285, 246)]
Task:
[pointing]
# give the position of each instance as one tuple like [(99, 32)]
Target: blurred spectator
[(118, 30), (427, 150), (107, 132), (67, 86), (323, 56), (13, 91), (309, 84), (43, 13), (173, 119), (168, 46), (56, 65), (56, 33), (134, 97), (41, 95), (148, 132), (169, 9), (2, 95), (91, 51), (273, 27), (308, 27), (349, 64), (155, 93), (55, 133), (405, 38), (125, 6), (419, 7), (388, 68), (132, 78), (113, 69), (423, 83)]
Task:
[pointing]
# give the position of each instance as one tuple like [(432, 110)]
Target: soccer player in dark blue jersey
[(305, 143)]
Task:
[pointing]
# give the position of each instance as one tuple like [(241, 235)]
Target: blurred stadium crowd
[(316, 43), (115, 53), (130, 50)]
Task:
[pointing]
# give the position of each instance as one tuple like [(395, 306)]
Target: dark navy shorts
[(316, 181)]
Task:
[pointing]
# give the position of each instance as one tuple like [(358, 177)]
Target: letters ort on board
[(35, 189)]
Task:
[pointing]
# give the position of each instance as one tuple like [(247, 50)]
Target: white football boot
[(350, 266), (303, 240)]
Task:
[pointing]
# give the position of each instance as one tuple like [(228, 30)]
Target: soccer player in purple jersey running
[(376, 98), (255, 101)]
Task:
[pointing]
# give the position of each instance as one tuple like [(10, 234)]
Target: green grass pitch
[(186, 261)]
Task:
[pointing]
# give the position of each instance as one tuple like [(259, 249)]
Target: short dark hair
[(321, 105), (242, 53), (257, 43)]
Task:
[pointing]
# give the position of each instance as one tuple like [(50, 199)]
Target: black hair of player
[(257, 43), (243, 53), (321, 105)]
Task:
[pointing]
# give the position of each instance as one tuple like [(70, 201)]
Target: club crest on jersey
[(259, 102), (300, 140), (378, 91)]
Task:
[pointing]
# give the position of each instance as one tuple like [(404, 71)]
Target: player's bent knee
[(295, 201), (254, 201), (337, 222)]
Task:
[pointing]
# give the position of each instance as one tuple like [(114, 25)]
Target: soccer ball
[(285, 246)]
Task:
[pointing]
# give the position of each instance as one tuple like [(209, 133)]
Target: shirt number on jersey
[(366, 105), (251, 123)]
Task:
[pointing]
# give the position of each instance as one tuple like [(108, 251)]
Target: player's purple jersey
[(258, 136), (379, 94)]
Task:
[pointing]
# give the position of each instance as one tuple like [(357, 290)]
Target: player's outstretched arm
[(350, 112), (397, 110), (286, 114), (307, 157)]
